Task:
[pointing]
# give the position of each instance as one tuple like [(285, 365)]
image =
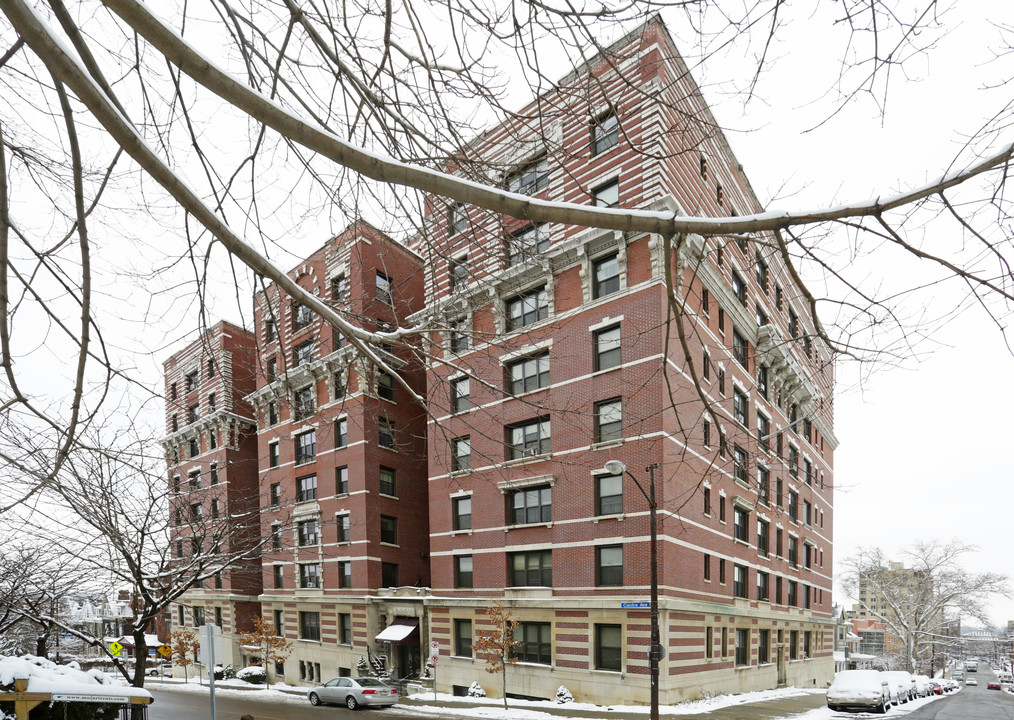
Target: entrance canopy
[(402, 631)]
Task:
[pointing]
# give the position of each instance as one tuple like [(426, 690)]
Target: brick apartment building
[(556, 349)]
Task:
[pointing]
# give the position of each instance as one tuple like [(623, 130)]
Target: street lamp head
[(615, 467)]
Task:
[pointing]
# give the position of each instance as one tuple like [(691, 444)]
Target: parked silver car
[(353, 692), (859, 690), (905, 684)]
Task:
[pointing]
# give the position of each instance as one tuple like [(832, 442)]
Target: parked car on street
[(163, 669), (993, 685), (905, 684), (353, 692), (859, 690), (936, 688), (922, 686)]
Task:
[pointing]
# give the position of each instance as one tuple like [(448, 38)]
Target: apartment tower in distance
[(391, 527)]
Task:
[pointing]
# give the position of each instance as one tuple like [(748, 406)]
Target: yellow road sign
[(115, 647), (165, 650)]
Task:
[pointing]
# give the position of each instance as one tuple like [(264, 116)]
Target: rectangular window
[(604, 133), (793, 641), (530, 178), (461, 453), (309, 626), (307, 532), (739, 581), (530, 505), (605, 275), (707, 566), (306, 488), (461, 395), (272, 369), (344, 524), (279, 616), (721, 571), (339, 288), (463, 571), (762, 585), (709, 642), (793, 324), (793, 461), (345, 574), (527, 308), (193, 413), (198, 616), (608, 494), (458, 340), (725, 642), (191, 381), (740, 348), (385, 386), (739, 463), (272, 413), (533, 643), (742, 646), (707, 500), (306, 447), (608, 420), (762, 274), (721, 381), (463, 638), (527, 243), (461, 513), (385, 433), (457, 220), (528, 439), (762, 537), (389, 574), (388, 530), (721, 508), (607, 348), (763, 646), (778, 542), (740, 406), (763, 486), (384, 289), (740, 520), (195, 512), (341, 432), (739, 288), (531, 569), (807, 472), (609, 565), (341, 480), (706, 433), (279, 576), (344, 628), (388, 481), (607, 194), (528, 374), (302, 316), (608, 647), (303, 405), (276, 494), (793, 506), (302, 353), (763, 431), (309, 576), (457, 273)]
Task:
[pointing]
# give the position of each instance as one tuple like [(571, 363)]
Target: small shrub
[(253, 674), (475, 690), (563, 695), (225, 673)]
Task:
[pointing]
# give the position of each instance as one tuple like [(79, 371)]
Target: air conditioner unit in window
[(530, 452)]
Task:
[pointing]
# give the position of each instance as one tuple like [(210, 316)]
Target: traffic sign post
[(434, 656), (211, 645)]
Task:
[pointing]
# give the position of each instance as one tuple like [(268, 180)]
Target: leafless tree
[(919, 594)]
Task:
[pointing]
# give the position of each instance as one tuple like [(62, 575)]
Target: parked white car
[(859, 690), (904, 683), (923, 685)]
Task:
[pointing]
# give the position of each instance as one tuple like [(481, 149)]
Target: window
[(604, 133), (607, 348), (195, 512), (706, 433), (458, 340), (302, 353), (792, 600), (793, 551), (194, 478), (739, 348), (273, 454), (198, 616), (461, 513), (534, 643), (457, 273), (739, 461), (309, 576), (721, 321), (211, 402), (739, 288), (528, 439), (384, 289), (807, 512), (388, 529), (527, 243), (341, 432), (739, 581), (762, 537), (530, 505), (793, 461), (605, 276), (215, 509), (339, 288), (707, 567), (389, 574), (306, 488), (807, 472), (721, 571), (609, 565), (279, 616), (740, 521), (763, 431), (191, 381), (344, 524), (172, 391), (461, 454), (709, 642), (762, 381), (762, 317), (463, 638), (608, 494), (763, 486), (175, 423), (344, 628), (534, 568), (528, 374), (345, 574), (740, 407), (193, 413), (762, 585), (303, 403), (385, 433), (306, 447), (463, 571), (279, 575), (460, 395), (341, 480), (527, 308), (385, 386), (608, 647), (388, 481), (212, 439), (309, 626), (793, 324), (778, 542), (793, 506), (721, 508), (608, 420), (762, 274), (707, 500), (276, 494), (307, 531), (458, 220), (607, 194), (742, 646), (721, 380), (272, 369), (725, 642), (272, 413), (302, 316), (530, 178)]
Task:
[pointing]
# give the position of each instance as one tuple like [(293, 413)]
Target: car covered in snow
[(903, 683), (859, 690), (922, 686)]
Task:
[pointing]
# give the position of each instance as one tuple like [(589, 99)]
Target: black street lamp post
[(615, 467)]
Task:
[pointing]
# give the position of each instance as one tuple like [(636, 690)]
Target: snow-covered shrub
[(563, 695), (475, 690), (361, 667), (225, 673), (253, 674)]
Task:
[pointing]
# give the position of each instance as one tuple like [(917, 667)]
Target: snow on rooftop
[(45, 676)]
